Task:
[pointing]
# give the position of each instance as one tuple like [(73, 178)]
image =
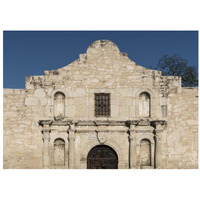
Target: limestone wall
[(181, 138), (22, 135)]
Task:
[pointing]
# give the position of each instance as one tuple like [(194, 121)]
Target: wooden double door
[(102, 157)]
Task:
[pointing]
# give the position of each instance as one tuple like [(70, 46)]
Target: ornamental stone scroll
[(102, 133)]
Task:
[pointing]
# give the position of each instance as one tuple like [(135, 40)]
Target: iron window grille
[(102, 105)]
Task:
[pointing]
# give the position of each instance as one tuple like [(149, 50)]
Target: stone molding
[(136, 122), (60, 123), (149, 136), (57, 135), (95, 130), (100, 123), (58, 90), (45, 122)]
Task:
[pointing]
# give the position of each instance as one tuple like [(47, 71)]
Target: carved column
[(72, 147), (66, 151), (137, 156), (46, 138), (132, 142), (152, 155), (159, 131)]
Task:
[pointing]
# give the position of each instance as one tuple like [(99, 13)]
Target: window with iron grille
[(102, 105)]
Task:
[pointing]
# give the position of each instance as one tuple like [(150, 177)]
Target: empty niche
[(59, 105), (59, 152), (164, 110), (145, 153), (144, 105)]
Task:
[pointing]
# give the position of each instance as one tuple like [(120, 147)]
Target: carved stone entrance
[(102, 157)]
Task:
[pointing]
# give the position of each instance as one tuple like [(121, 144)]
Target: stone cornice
[(100, 123), (60, 123), (143, 131), (159, 123), (105, 123), (45, 122), (146, 122), (106, 130)]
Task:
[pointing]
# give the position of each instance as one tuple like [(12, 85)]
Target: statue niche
[(145, 153), (144, 105), (59, 152), (59, 106)]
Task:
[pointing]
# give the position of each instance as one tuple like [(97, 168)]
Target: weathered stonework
[(153, 121)]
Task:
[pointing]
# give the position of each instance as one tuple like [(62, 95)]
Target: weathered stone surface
[(163, 123)]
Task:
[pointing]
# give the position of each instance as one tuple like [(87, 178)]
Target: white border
[(97, 15)]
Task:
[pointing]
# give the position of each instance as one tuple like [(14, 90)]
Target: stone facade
[(153, 121)]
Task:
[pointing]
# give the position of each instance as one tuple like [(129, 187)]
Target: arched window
[(145, 153), (144, 105), (59, 152), (59, 105)]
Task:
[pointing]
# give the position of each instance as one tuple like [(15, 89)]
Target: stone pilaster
[(72, 147), (159, 131), (152, 155), (46, 139), (46, 155), (137, 156), (132, 143)]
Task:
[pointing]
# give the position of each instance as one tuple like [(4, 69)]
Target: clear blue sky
[(31, 52)]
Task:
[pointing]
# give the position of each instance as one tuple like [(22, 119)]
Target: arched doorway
[(102, 157)]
